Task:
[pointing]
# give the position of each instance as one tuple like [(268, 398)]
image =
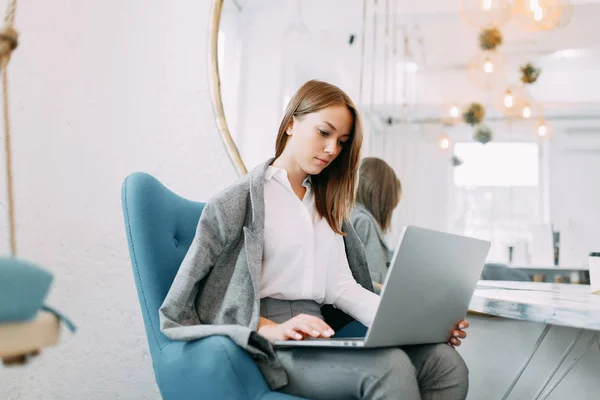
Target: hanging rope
[(386, 85), (370, 146), (9, 39), (394, 79), (362, 54)]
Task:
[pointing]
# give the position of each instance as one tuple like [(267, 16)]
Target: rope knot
[(9, 39)]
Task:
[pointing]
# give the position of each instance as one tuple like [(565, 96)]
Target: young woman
[(275, 258), (379, 192)]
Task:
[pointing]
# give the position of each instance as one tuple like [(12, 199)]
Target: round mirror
[(266, 49)]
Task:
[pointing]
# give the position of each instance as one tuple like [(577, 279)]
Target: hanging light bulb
[(444, 142), (543, 15), (542, 129), (488, 70), (508, 99), (454, 111), (488, 66), (534, 5), (450, 113), (514, 102), (485, 13)]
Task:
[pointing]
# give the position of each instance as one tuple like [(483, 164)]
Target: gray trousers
[(429, 372)]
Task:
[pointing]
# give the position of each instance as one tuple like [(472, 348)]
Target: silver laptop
[(427, 290)]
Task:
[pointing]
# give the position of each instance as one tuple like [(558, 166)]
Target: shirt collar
[(280, 175)]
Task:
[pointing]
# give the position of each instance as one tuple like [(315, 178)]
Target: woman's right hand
[(297, 328)]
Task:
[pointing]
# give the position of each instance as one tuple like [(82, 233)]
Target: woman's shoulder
[(365, 224), (236, 196), (359, 214), (229, 208), (237, 192)]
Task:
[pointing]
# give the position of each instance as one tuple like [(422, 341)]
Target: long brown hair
[(334, 187), (379, 190)]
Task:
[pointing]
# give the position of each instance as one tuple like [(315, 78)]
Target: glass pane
[(496, 196), (497, 164)]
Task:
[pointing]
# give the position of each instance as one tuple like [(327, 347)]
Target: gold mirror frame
[(214, 83)]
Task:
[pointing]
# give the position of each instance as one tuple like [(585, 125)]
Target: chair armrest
[(210, 368), (279, 396)]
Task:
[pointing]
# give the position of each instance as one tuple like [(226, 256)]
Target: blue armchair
[(160, 227)]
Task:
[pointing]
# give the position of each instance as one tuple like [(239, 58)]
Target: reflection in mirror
[(268, 48), (514, 160)]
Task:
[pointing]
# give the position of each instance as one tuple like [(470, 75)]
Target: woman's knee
[(389, 361), (398, 361), (452, 360), (451, 369), (395, 366), (393, 376)]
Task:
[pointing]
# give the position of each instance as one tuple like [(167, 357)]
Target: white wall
[(99, 90)]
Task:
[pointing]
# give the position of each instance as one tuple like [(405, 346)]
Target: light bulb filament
[(508, 100), (488, 67), (454, 111)]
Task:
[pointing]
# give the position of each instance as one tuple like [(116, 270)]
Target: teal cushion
[(23, 288)]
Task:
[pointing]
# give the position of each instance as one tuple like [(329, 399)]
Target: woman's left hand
[(459, 333)]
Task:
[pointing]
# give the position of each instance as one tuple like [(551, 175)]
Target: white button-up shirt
[(303, 258)]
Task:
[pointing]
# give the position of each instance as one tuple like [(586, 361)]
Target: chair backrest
[(502, 272), (160, 227)]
